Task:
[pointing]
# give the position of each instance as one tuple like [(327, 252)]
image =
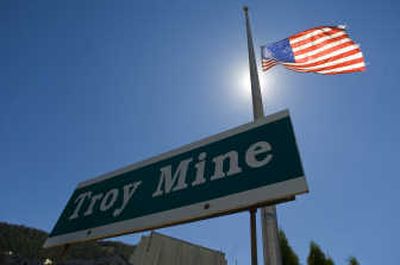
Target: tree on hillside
[(289, 257), (26, 242), (316, 255), (21, 240), (329, 261), (353, 261)]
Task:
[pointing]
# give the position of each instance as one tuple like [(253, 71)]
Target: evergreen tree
[(329, 261), (353, 261), (289, 257), (316, 255)]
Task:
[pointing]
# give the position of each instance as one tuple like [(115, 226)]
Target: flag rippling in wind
[(323, 50)]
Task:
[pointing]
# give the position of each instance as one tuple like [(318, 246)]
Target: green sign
[(248, 166)]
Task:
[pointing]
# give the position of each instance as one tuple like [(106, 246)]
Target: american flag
[(325, 50)]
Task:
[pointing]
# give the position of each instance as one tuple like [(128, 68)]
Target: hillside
[(25, 242)]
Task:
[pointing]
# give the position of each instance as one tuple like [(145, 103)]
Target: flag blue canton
[(280, 51)]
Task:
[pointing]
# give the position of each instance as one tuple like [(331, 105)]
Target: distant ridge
[(26, 243)]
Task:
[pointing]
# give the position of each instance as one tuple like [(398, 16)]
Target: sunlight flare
[(268, 83)]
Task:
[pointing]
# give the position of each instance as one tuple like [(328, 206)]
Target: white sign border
[(234, 202), (197, 211)]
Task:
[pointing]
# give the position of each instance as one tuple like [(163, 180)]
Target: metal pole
[(272, 250), (63, 254), (258, 109), (253, 236), (271, 247)]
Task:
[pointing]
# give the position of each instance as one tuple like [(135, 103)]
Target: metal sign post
[(271, 250), (253, 236)]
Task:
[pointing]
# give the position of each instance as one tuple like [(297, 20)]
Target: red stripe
[(360, 69), (322, 44), (325, 52), (332, 67), (267, 64), (300, 34), (268, 67), (329, 59), (320, 35)]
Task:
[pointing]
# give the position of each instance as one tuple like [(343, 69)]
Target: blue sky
[(87, 87)]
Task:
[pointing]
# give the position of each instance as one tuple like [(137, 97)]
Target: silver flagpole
[(271, 247)]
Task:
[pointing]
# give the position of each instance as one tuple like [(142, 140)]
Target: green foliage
[(289, 257), (25, 241), (316, 255), (329, 261), (353, 261)]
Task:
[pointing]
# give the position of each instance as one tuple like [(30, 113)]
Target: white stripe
[(326, 56), (268, 60), (311, 34), (338, 61), (323, 48), (268, 66), (322, 39), (268, 63), (344, 68)]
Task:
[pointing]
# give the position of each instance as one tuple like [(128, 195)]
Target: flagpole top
[(245, 9)]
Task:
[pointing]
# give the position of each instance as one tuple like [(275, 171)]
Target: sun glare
[(244, 81), (243, 84), (268, 82)]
